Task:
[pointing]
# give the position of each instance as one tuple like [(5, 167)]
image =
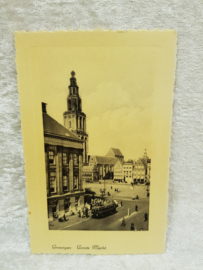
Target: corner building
[(63, 159), (74, 117)]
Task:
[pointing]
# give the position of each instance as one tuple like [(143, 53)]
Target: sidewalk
[(71, 220)]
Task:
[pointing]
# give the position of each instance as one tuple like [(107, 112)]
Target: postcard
[(96, 112)]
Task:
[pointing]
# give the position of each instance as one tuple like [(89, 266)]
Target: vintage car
[(103, 209)]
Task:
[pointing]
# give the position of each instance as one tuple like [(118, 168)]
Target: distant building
[(63, 159), (74, 117), (105, 166), (142, 168), (128, 171), (90, 173), (118, 171), (115, 153)]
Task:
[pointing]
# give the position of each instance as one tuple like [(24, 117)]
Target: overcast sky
[(116, 86)]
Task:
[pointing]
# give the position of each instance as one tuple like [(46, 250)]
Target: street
[(125, 190), (112, 222)]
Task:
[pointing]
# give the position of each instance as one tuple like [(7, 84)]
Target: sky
[(116, 86)]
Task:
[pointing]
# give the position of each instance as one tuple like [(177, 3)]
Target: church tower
[(74, 118)]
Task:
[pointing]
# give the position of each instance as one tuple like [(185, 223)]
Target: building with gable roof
[(102, 167), (63, 159), (142, 169), (116, 153), (105, 166), (118, 171)]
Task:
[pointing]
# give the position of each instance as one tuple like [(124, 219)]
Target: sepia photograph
[(87, 190)]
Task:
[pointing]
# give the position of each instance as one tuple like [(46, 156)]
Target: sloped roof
[(52, 127), (118, 161), (106, 160), (143, 162), (117, 152)]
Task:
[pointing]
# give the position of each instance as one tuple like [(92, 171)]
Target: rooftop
[(117, 152), (106, 160), (52, 127)]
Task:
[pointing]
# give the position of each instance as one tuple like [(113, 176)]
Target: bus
[(103, 208)]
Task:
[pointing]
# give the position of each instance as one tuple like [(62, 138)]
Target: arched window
[(79, 105), (80, 122), (69, 104)]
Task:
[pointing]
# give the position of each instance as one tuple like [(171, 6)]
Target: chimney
[(44, 109)]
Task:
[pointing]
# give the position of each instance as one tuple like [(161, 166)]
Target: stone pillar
[(103, 171), (82, 201), (61, 206), (59, 170), (71, 172), (78, 122), (81, 123), (72, 204), (47, 169), (80, 183)]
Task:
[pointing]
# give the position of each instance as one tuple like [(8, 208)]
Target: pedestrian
[(132, 228), (60, 217), (86, 212), (145, 217), (111, 187), (121, 203), (83, 213), (115, 189), (136, 208), (123, 222), (79, 213), (64, 217), (137, 198)]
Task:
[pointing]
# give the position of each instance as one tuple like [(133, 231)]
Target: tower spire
[(73, 83), (145, 154), (74, 117)]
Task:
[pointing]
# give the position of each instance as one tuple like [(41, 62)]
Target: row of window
[(65, 182), (80, 124), (52, 158), (126, 174)]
